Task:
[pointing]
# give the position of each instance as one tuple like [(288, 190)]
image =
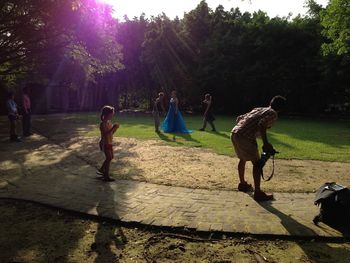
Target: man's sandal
[(261, 196), (245, 187)]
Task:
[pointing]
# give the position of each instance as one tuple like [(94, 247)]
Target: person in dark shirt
[(26, 117), (208, 114), (158, 109)]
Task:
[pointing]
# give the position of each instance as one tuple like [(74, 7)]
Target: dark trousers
[(210, 122), (13, 120), (26, 124), (156, 120)]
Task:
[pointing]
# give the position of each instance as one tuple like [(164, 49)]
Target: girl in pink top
[(107, 130)]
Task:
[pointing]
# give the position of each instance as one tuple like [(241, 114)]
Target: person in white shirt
[(12, 116)]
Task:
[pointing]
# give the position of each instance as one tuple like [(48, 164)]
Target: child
[(107, 130), (208, 114)]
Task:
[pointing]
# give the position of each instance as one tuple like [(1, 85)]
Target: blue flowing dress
[(174, 122)]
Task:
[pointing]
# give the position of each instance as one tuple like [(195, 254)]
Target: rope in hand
[(272, 173)]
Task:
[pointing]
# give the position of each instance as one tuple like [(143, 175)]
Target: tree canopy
[(39, 34), (336, 22), (241, 58)]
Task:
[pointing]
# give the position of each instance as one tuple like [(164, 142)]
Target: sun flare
[(133, 8)]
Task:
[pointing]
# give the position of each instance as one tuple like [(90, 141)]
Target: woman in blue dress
[(173, 121)]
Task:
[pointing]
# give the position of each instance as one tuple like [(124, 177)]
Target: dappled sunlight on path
[(44, 172)]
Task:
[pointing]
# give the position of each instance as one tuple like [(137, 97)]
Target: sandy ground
[(156, 162)]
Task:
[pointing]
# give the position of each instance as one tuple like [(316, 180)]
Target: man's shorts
[(246, 149)]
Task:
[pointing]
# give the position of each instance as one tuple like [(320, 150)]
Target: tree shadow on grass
[(163, 137), (297, 229), (217, 133), (183, 136), (186, 137), (276, 141), (315, 130), (59, 178), (72, 137)]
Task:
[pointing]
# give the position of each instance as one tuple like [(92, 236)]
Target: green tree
[(336, 22), (32, 31)]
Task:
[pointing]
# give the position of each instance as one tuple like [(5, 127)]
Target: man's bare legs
[(256, 177), (243, 186), (258, 194), (241, 171)]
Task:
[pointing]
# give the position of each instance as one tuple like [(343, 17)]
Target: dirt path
[(154, 161)]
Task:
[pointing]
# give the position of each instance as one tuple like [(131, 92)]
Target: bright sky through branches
[(174, 8)]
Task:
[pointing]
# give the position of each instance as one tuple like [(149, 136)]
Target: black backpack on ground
[(334, 202)]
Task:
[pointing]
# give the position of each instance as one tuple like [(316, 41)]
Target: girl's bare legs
[(106, 164), (102, 169)]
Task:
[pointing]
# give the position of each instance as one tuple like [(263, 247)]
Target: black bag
[(334, 202)]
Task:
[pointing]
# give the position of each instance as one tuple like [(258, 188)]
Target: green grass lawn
[(294, 138)]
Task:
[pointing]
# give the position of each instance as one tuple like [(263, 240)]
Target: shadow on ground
[(296, 228), (37, 164)]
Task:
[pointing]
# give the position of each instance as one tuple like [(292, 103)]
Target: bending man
[(243, 136)]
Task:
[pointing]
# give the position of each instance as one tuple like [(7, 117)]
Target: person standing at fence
[(158, 109), (26, 118), (208, 113), (13, 116)]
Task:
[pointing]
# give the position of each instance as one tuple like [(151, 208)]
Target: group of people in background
[(14, 115), (243, 135), (174, 122)]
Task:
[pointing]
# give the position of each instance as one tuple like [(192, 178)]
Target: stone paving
[(41, 171)]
